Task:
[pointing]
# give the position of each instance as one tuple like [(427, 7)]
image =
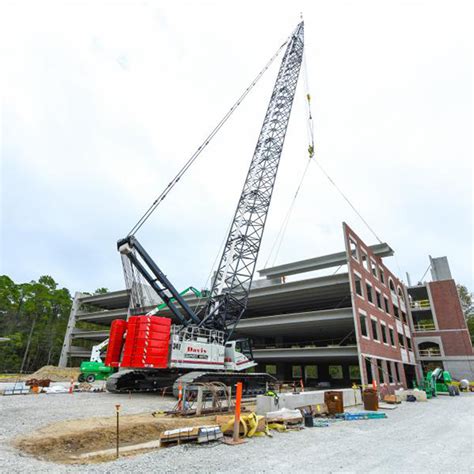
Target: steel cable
[(206, 142)]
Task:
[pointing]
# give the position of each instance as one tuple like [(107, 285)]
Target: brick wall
[(449, 316), (368, 269)]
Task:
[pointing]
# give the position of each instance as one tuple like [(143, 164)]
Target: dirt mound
[(65, 441), (56, 374)]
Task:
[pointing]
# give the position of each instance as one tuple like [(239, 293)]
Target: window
[(368, 370), (363, 325), (382, 275), (378, 297), (296, 371), (358, 285), (335, 372), (409, 344), (374, 268), (311, 371), (365, 261), (391, 285), (354, 372), (400, 341), (375, 333), (386, 304), (271, 369), (353, 250), (404, 316), (393, 375), (397, 372), (400, 294), (429, 349), (397, 313), (392, 337), (384, 334), (380, 369), (370, 294)]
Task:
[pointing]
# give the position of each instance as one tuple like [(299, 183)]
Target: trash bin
[(371, 399), (308, 420), (334, 401)]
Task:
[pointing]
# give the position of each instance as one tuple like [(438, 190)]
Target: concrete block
[(420, 395), (267, 404)]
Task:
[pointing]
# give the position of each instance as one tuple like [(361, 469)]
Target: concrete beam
[(300, 295), (319, 263), (79, 352), (102, 317), (325, 323), (322, 354), (90, 335), (112, 300)]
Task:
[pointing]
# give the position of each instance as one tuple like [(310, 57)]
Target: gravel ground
[(436, 436)]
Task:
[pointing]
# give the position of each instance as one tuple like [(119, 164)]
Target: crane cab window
[(243, 346)]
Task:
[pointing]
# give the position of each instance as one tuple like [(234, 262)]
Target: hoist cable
[(193, 157), (281, 232), (311, 151), (348, 201), (424, 274)]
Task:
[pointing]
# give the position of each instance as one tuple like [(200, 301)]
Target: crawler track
[(138, 381)]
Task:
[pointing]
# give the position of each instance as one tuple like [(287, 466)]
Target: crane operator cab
[(238, 355)]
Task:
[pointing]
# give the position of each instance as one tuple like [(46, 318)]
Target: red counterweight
[(147, 342), (114, 348)]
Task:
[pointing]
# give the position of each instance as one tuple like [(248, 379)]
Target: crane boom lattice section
[(231, 285)]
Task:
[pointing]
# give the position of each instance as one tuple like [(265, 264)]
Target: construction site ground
[(433, 436)]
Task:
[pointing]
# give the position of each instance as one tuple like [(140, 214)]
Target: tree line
[(33, 321), (33, 318)]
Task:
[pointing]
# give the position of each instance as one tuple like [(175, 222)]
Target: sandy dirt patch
[(65, 441)]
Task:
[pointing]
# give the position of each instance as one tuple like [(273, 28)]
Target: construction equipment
[(437, 382), (200, 347), (95, 369), (440, 382)]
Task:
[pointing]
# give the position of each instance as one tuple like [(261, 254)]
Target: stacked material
[(200, 434)]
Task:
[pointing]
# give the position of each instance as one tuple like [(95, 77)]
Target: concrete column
[(70, 327)]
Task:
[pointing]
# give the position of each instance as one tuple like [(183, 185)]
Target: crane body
[(200, 346)]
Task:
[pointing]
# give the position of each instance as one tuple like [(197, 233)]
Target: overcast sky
[(103, 104)]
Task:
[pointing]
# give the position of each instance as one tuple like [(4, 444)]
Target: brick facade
[(381, 315), (449, 318)]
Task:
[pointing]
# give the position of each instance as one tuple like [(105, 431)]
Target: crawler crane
[(153, 353)]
